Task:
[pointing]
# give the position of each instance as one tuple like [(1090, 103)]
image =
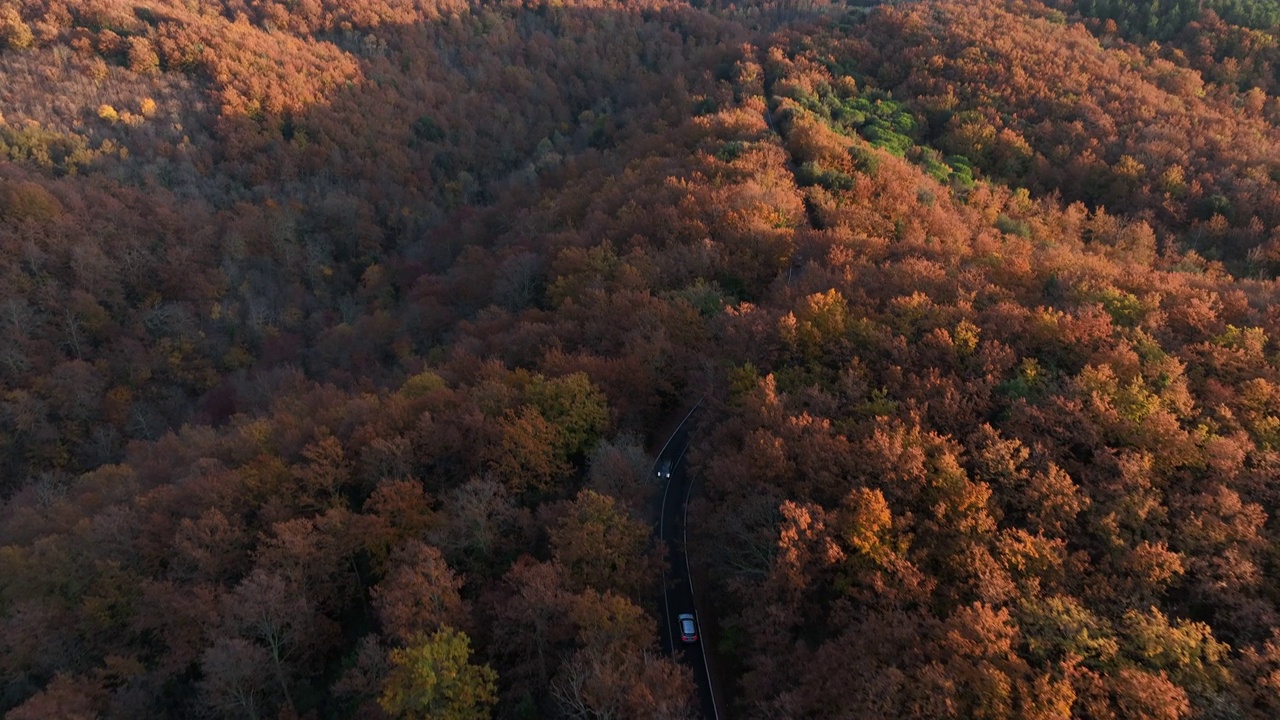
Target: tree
[(142, 56), (366, 672), (236, 680), (530, 458), (593, 685), (1260, 668), (979, 643), (315, 558), (615, 671), (600, 547), (14, 33), (481, 522), (65, 698), (272, 616), (432, 679), (575, 406), (27, 200), (1148, 696), (1059, 627), (326, 471), (419, 594), (1186, 650), (534, 622), (622, 469), (210, 548)]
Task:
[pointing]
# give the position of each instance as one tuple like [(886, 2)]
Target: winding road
[(677, 586)]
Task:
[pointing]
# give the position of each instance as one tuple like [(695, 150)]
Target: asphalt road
[(678, 589)]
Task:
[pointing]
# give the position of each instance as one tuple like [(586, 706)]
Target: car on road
[(688, 628), (664, 469)]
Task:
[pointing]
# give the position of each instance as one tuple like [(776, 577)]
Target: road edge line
[(715, 706)]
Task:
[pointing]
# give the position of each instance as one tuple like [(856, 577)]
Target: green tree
[(432, 679)]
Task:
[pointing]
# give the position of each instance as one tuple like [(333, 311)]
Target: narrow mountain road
[(677, 585)]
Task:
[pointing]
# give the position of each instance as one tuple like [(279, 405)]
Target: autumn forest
[(338, 337)]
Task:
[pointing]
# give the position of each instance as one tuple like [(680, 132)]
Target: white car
[(688, 629)]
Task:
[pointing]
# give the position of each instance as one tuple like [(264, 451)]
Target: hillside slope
[(333, 332)]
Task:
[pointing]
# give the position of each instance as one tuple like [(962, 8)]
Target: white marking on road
[(688, 572)]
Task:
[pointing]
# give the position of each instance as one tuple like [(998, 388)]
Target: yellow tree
[(433, 679), (14, 33)]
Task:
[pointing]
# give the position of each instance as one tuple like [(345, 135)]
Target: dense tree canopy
[(335, 337)]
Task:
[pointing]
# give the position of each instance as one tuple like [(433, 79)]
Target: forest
[(337, 338)]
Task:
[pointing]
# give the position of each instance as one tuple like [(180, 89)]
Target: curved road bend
[(677, 587)]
